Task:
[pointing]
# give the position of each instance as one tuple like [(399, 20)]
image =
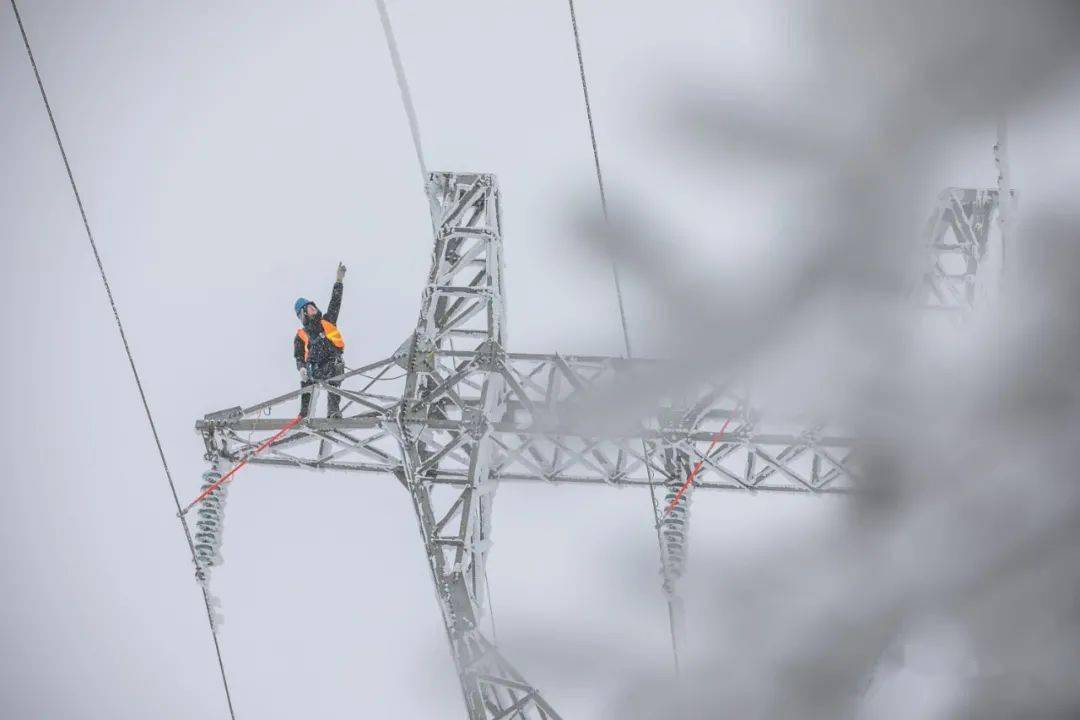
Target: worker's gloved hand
[(341, 271), (304, 376)]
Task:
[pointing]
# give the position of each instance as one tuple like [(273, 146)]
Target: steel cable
[(124, 340), (403, 86), (622, 309)]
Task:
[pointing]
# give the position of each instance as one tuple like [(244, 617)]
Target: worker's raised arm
[(334, 307)]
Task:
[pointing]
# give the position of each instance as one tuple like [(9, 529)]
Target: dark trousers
[(323, 372)]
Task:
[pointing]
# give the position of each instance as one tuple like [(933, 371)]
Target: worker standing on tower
[(319, 347)]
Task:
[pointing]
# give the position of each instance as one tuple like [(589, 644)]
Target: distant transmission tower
[(465, 414)]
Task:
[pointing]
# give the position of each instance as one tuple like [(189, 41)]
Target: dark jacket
[(321, 352)]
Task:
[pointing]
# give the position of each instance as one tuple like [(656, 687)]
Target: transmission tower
[(464, 415)]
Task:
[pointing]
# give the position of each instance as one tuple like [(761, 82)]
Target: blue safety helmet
[(300, 304)]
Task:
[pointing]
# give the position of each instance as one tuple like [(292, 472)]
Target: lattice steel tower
[(466, 414)]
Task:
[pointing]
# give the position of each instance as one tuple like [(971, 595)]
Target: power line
[(622, 311), (403, 86), (599, 176), (123, 339)]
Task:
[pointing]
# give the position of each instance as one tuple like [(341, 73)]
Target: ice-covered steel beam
[(551, 428), (463, 302), (547, 429)]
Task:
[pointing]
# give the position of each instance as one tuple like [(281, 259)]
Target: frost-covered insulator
[(217, 618), (210, 517), (674, 527)]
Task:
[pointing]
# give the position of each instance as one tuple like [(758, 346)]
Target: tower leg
[(447, 468)]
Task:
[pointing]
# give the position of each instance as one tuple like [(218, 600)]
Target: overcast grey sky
[(229, 155)]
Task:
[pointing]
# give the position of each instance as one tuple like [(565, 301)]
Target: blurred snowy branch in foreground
[(952, 586)]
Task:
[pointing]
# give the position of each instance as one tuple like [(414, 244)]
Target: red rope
[(690, 478), (242, 463)]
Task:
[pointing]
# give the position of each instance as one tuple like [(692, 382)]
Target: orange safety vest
[(329, 330)]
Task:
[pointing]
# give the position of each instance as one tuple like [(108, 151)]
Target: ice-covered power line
[(599, 175), (403, 86), (674, 621), (207, 600)]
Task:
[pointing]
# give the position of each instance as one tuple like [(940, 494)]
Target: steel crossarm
[(547, 431)]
